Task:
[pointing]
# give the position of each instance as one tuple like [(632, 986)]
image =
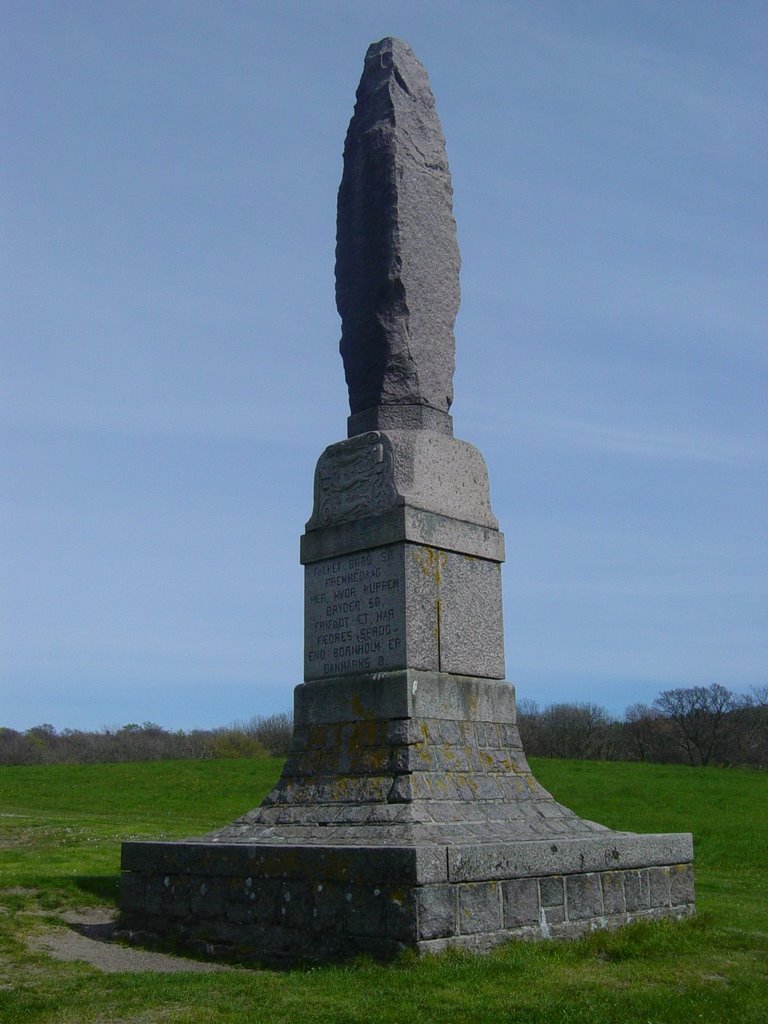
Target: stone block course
[(613, 892), (272, 917), (521, 903), (552, 891), (296, 902), (584, 898), (636, 890), (328, 908), (480, 907), (681, 885), (550, 918), (658, 881), (402, 916), (437, 910), (366, 911)]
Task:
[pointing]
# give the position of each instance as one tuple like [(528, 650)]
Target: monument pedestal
[(406, 816)]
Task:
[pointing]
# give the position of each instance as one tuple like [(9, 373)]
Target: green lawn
[(60, 833)]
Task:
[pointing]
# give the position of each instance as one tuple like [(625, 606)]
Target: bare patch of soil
[(90, 937)]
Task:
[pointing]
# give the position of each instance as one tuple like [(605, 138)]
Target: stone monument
[(406, 814)]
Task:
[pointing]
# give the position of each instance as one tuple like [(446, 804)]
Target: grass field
[(60, 834)]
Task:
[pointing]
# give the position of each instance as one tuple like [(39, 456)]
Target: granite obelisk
[(397, 259), (406, 813)]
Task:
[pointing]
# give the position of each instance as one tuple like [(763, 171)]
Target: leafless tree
[(274, 732), (753, 732), (528, 715), (647, 734), (567, 730), (702, 718)]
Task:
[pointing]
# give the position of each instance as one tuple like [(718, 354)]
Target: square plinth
[(286, 904)]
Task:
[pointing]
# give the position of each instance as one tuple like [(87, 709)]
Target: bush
[(260, 737)]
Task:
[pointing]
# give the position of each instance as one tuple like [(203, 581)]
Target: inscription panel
[(354, 614)]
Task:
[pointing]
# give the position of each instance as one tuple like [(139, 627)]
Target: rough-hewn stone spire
[(397, 259)]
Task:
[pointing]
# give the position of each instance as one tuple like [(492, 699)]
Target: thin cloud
[(670, 443)]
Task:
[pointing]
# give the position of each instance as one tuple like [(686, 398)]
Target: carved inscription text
[(354, 614)]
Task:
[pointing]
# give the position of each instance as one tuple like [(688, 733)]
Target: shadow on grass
[(105, 887)]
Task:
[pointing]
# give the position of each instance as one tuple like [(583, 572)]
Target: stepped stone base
[(283, 904), (406, 816)]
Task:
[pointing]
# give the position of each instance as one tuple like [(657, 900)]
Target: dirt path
[(90, 937)]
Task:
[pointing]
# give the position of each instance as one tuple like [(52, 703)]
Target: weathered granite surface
[(284, 904), (402, 559), (403, 605), (397, 259), (371, 473)]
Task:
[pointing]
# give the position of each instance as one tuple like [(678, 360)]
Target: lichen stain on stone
[(363, 734), (343, 789), (449, 754), (377, 759), (397, 895), (424, 754), (431, 561), (359, 709)]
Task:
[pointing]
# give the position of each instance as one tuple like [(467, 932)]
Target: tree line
[(261, 736), (699, 725)]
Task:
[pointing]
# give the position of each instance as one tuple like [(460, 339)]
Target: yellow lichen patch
[(343, 788), (316, 735), (359, 710), (364, 733), (431, 561), (398, 894), (375, 759), (535, 788), (423, 753), (374, 789)]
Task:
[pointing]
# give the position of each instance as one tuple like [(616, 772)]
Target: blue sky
[(170, 367)]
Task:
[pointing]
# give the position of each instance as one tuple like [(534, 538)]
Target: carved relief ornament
[(354, 479)]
